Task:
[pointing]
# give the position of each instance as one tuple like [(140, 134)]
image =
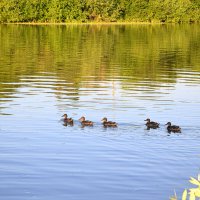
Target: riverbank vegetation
[(192, 193), (84, 11)]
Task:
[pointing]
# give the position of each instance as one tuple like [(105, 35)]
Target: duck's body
[(67, 120), (173, 128), (107, 123), (85, 122), (151, 124)]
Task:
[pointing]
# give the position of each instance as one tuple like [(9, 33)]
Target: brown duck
[(67, 120), (151, 124), (107, 123), (173, 128), (85, 122)]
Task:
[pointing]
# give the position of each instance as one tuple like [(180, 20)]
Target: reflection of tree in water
[(75, 54), (169, 59)]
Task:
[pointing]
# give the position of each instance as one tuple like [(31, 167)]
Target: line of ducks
[(150, 124)]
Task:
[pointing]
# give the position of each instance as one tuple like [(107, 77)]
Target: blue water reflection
[(105, 75)]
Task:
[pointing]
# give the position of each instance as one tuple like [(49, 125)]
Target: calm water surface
[(126, 73)]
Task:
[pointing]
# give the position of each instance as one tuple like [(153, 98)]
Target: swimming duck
[(67, 120), (152, 124), (173, 128), (107, 123), (85, 122)]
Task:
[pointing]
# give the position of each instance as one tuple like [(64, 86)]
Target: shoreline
[(96, 23), (81, 23)]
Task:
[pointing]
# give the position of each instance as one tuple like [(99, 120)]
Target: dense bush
[(99, 10)]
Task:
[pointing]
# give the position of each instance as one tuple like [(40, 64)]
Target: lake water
[(124, 72)]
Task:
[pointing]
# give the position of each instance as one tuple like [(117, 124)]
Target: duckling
[(152, 124), (85, 122), (173, 128), (107, 123), (67, 120)]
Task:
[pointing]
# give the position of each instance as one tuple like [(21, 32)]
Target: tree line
[(84, 11)]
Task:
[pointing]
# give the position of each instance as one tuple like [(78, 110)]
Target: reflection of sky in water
[(37, 152), (125, 73), (123, 101)]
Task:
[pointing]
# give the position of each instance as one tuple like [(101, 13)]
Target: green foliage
[(191, 193), (99, 10), (171, 10), (137, 10), (104, 10)]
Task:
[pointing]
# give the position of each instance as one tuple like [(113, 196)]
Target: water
[(124, 72)]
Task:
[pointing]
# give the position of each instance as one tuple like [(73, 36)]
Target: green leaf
[(193, 190), (184, 196), (198, 177), (192, 196), (197, 192), (194, 181)]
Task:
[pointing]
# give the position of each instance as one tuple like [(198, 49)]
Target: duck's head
[(168, 123), (65, 116), (82, 119), (148, 120), (104, 119)]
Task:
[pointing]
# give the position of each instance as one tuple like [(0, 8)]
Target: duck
[(85, 122), (107, 123), (173, 128), (151, 124), (67, 120)]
